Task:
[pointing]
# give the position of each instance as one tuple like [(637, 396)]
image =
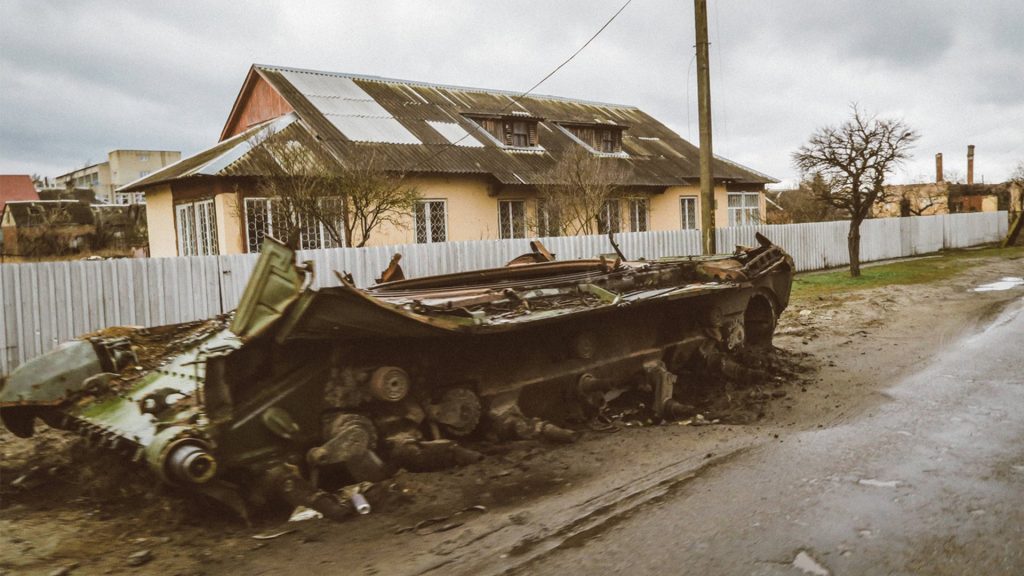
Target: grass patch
[(917, 271)]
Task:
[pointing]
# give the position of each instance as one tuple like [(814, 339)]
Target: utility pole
[(707, 183)]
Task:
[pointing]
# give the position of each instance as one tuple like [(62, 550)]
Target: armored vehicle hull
[(301, 389)]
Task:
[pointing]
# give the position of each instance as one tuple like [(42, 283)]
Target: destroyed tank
[(300, 388)]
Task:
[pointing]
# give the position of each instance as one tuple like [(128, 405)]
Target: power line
[(574, 54), (514, 101)]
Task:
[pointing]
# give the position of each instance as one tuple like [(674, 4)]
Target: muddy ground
[(67, 510)]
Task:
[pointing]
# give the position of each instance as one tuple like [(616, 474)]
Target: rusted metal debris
[(305, 388)]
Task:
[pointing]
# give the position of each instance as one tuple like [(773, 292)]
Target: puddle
[(1006, 283), (808, 565)]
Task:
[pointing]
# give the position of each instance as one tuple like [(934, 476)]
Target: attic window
[(599, 137), (514, 132), (521, 134)]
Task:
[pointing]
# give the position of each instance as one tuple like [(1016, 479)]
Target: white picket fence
[(47, 303)]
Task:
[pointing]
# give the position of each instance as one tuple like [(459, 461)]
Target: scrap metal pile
[(303, 389)]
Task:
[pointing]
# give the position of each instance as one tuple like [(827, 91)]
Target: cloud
[(78, 79)]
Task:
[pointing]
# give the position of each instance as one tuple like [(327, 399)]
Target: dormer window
[(609, 142), (599, 137), (511, 131), (521, 134)]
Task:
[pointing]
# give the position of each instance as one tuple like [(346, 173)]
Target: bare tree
[(953, 176), (1016, 180), (308, 186), (854, 158), (372, 196), (916, 201), (805, 204), (576, 191), (47, 230)]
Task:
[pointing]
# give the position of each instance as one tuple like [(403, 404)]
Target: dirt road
[(929, 482), (531, 507)]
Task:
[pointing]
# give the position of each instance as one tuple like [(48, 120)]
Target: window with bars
[(638, 211), (196, 225), (688, 211), (267, 217), (512, 219), (744, 208), (610, 219), (430, 220), (130, 198)]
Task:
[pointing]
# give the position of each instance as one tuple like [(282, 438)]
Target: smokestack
[(938, 168), (970, 164)]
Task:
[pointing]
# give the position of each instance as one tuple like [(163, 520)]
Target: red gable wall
[(16, 187), (257, 103)]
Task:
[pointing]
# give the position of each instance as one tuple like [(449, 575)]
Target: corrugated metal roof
[(349, 108), (455, 134), (414, 127), (215, 161), (655, 155)]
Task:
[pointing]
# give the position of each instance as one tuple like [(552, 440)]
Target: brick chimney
[(970, 164), (938, 168)]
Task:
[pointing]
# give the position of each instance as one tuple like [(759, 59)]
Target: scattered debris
[(141, 557), (65, 570), (879, 483), (808, 565), (440, 523), (321, 388), (301, 514), (272, 535)]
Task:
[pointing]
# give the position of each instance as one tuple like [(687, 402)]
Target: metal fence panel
[(47, 303)]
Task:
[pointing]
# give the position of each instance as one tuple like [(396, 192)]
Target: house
[(45, 227), (55, 227), (16, 187), (945, 197), (121, 167), (475, 156)]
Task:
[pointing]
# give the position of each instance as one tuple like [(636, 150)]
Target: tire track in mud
[(584, 521)]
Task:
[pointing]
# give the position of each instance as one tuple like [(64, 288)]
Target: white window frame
[(639, 220), (321, 240), (129, 198), (745, 214), (196, 226), (613, 225), (426, 203), (692, 211), (546, 225), (507, 223)]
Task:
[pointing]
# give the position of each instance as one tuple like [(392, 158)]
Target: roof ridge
[(372, 78)]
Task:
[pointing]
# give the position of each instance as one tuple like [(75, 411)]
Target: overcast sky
[(79, 78)]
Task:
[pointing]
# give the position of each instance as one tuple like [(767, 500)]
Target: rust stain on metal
[(305, 387)]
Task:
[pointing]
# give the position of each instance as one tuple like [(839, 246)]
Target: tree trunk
[(853, 244)]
